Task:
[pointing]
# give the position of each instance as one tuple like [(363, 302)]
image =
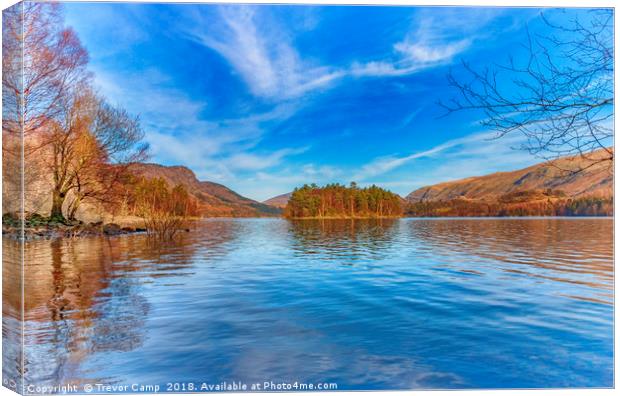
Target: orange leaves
[(164, 210)]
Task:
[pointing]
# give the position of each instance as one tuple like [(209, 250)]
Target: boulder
[(112, 229)]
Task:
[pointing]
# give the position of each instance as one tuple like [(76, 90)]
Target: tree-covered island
[(338, 201)]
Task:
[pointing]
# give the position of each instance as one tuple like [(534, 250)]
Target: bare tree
[(164, 210), (114, 144), (56, 130), (560, 97), (42, 60), (91, 147)]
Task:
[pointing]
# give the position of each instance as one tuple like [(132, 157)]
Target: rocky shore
[(39, 227)]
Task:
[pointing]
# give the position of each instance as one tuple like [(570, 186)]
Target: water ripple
[(384, 304)]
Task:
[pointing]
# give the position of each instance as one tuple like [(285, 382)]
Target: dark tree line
[(336, 200), (523, 203)]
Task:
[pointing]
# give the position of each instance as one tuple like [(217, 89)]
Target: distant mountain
[(280, 201), (593, 181), (215, 199), (526, 190)]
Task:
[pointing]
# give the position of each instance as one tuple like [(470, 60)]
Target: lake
[(364, 304)]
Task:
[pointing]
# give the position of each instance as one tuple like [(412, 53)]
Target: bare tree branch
[(560, 97)]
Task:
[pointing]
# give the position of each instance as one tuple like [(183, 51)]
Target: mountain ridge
[(279, 201), (574, 176), (215, 200), (595, 180)]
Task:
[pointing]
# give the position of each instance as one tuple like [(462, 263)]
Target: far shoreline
[(343, 218), (451, 217), (113, 230)]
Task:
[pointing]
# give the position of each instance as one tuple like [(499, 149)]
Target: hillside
[(596, 181), (280, 201), (545, 189), (215, 199)]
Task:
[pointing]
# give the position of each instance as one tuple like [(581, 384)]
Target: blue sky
[(264, 98)]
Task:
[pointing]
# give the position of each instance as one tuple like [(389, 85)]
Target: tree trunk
[(73, 208), (352, 205), (58, 199)]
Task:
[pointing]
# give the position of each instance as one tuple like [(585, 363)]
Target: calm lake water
[(392, 304)]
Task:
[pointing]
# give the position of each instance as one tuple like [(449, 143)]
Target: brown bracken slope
[(215, 199), (595, 181), (280, 201)]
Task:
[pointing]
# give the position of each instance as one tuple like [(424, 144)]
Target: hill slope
[(596, 181), (215, 199), (280, 201)]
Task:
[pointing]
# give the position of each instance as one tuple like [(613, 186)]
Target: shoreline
[(82, 230), (451, 217), (343, 218), (57, 231)]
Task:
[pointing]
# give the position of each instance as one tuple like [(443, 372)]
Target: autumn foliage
[(522, 203), (77, 147), (61, 138), (338, 201), (165, 210)]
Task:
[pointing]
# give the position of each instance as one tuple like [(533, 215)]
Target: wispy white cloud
[(122, 32), (267, 184), (436, 39), (412, 116), (262, 53), (385, 164), (150, 92), (412, 58), (255, 162), (456, 155), (423, 53), (179, 133), (224, 150), (472, 155), (463, 165)]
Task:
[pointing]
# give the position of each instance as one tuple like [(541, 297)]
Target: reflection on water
[(383, 304), (348, 240), (12, 357)]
